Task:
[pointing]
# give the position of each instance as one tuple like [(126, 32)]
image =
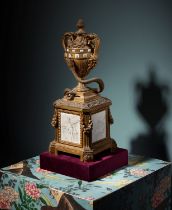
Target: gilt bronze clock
[(82, 117)]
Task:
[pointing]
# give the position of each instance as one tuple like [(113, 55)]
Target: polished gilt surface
[(96, 104), (82, 117), (81, 55)]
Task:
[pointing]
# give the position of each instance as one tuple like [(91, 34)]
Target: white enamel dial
[(70, 128)]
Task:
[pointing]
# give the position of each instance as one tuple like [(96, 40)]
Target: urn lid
[(79, 44)]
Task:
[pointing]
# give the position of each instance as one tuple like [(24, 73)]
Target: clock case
[(81, 54), (87, 149)]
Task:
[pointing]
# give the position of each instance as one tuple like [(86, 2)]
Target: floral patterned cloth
[(144, 184), (32, 190)]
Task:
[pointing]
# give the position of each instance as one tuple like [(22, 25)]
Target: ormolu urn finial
[(81, 54)]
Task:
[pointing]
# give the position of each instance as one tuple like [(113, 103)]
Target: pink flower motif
[(40, 170), (7, 197), (138, 172), (90, 198), (157, 198), (32, 190), (5, 204), (159, 193)]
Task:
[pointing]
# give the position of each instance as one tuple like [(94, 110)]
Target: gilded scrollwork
[(54, 121), (69, 94), (96, 103), (52, 147), (87, 129), (88, 156), (81, 40)]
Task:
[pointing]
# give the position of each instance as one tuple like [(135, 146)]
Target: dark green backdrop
[(135, 36)]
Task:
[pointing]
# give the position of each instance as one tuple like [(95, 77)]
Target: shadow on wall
[(153, 108)]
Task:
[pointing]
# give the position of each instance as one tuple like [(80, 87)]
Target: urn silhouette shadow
[(152, 106)]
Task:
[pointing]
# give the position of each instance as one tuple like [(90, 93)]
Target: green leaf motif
[(46, 200), (40, 186), (21, 208), (43, 201), (16, 206), (20, 194)]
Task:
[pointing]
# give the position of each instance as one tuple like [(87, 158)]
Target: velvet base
[(88, 171)]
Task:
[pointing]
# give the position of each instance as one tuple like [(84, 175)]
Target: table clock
[(82, 117)]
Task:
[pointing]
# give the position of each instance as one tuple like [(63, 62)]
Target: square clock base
[(88, 171)]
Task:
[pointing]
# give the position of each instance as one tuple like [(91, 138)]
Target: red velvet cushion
[(88, 171)]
